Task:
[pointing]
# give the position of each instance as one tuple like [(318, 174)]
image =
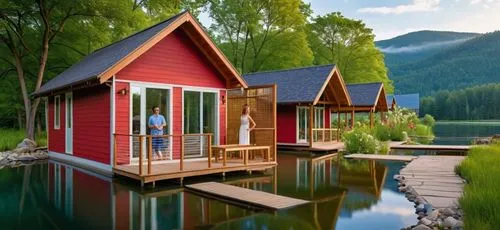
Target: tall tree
[(254, 33), (350, 45)]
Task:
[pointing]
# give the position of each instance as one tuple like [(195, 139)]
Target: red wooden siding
[(91, 128), (173, 60), (222, 118), (122, 123), (57, 138), (287, 123), (177, 120)]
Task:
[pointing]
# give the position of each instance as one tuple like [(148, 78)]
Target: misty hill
[(472, 62), (419, 45)]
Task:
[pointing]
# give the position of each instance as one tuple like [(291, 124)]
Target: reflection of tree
[(265, 221)]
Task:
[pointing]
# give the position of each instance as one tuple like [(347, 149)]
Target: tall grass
[(9, 138), (481, 200)]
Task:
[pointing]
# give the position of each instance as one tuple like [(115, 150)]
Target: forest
[(474, 103), (40, 39)]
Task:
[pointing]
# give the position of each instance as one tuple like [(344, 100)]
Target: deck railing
[(144, 150), (325, 134)]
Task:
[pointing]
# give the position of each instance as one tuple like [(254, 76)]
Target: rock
[(447, 212), (21, 150), (420, 208), (27, 143), (433, 215), (458, 225), (421, 215), (428, 207), (425, 222), (420, 200), (421, 227), (449, 222)]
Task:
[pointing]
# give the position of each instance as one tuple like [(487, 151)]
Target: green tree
[(260, 34), (350, 45)]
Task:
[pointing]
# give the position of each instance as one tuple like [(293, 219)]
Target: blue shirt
[(156, 120)]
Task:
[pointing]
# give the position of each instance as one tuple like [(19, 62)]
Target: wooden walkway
[(434, 179), (433, 147), (380, 157), (247, 196)]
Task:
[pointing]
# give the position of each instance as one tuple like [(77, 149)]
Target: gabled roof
[(390, 98), (410, 101), (300, 85), (365, 94), (103, 63)]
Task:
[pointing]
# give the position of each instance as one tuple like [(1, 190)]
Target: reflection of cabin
[(305, 98), (367, 98), (98, 109)]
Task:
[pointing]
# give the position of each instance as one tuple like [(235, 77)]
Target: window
[(57, 112)]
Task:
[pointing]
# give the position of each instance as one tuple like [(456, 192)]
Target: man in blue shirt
[(156, 124)]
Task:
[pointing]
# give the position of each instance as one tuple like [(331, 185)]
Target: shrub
[(428, 120), (384, 147), (382, 132), (359, 141), (481, 198)]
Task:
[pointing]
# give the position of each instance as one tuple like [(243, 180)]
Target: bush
[(359, 141), (428, 120), (382, 132), (481, 198)]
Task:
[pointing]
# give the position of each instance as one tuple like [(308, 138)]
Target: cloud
[(425, 46), (415, 6)]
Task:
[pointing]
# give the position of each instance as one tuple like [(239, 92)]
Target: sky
[(390, 18)]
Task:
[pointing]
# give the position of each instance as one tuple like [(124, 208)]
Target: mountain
[(472, 62), (419, 45)]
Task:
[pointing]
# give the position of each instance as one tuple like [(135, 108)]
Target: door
[(142, 101), (200, 117), (302, 124), (319, 123), (69, 123)]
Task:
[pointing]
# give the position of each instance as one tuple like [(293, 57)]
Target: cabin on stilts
[(306, 97), (367, 98), (99, 109)]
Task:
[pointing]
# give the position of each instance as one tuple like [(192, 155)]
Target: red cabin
[(173, 65), (306, 97)]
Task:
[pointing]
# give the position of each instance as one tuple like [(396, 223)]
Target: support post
[(346, 122), (371, 118), (311, 123), (352, 118), (140, 155), (209, 150), (150, 154), (338, 122), (114, 150)]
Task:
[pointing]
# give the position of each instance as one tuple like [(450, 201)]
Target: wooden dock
[(433, 147), (247, 196), (380, 157)]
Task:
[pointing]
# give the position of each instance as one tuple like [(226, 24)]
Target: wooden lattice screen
[(262, 102)]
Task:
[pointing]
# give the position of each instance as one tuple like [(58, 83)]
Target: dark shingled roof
[(410, 101), (364, 94), (294, 85), (102, 59)]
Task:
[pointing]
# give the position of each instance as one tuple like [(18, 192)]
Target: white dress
[(244, 133)]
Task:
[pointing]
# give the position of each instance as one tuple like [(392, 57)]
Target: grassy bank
[(9, 138), (481, 200)]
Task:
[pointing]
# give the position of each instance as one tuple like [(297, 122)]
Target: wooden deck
[(318, 146), (380, 157), (171, 170), (433, 147), (248, 196)]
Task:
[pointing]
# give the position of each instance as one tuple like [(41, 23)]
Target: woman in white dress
[(245, 129)]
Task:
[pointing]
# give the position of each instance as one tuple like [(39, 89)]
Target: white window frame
[(57, 109), (298, 123), (202, 90)]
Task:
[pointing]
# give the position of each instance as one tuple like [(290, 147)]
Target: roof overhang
[(336, 86)]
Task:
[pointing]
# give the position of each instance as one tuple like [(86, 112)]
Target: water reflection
[(343, 194)]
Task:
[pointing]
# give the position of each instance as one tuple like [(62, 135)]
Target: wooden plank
[(252, 197), (433, 147)]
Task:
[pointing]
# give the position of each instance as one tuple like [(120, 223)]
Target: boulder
[(450, 222), (421, 227), (446, 212), (433, 215), (425, 222), (27, 143)]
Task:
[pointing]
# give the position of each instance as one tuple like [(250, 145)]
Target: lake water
[(462, 133), (345, 194)]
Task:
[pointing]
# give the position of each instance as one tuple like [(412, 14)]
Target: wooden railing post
[(150, 153), (114, 150), (209, 137), (181, 160), (140, 155)]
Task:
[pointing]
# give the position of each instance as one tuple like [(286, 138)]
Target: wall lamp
[(123, 91), (223, 99)]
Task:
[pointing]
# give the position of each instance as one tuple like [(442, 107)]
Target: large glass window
[(192, 105), (209, 113), (303, 124)]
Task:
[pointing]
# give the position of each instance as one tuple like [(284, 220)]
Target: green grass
[(481, 200), (9, 138)]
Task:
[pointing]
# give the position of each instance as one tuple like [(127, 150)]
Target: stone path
[(380, 157), (434, 179)]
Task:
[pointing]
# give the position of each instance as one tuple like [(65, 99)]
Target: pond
[(463, 132), (344, 194)]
